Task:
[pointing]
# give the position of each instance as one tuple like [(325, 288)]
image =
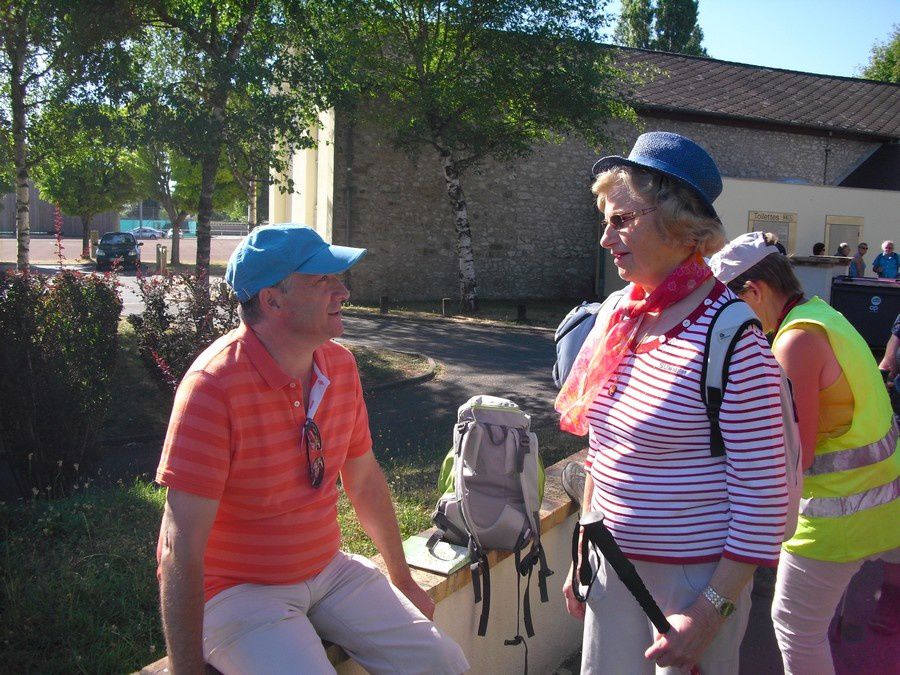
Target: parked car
[(146, 232), (118, 248)]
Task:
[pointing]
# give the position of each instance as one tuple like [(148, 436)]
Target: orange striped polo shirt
[(235, 436)]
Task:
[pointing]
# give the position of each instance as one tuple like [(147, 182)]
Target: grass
[(77, 575), (546, 313), (139, 405), (77, 582), (383, 366), (216, 267)]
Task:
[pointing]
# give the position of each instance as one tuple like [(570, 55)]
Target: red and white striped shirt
[(665, 497)]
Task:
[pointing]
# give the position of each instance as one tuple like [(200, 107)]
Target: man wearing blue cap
[(252, 577)]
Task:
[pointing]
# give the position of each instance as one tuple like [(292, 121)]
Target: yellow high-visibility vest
[(851, 494)]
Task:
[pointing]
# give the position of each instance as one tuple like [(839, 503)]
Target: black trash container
[(870, 306)]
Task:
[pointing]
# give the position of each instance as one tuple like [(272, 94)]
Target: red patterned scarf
[(607, 344)]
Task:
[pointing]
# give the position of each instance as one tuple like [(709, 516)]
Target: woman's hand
[(573, 605), (691, 633)]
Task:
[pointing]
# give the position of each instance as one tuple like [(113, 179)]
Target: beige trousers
[(261, 630), (617, 632)]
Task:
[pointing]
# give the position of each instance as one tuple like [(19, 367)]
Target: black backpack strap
[(712, 395), (521, 566), (481, 583), (582, 575), (445, 525), (543, 573)]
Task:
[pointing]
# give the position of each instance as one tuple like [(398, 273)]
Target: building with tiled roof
[(811, 157)]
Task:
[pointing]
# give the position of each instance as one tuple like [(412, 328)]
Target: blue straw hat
[(675, 156), (273, 252)]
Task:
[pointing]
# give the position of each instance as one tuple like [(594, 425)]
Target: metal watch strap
[(723, 605)]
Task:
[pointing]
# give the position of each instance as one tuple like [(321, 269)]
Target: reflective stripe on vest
[(854, 458), (835, 507)]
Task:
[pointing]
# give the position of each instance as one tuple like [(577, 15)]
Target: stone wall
[(533, 221)]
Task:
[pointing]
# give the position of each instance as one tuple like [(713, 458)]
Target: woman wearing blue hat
[(694, 523)]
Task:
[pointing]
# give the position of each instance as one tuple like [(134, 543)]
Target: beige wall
[(879, 209), (312, 170), (813, 204)]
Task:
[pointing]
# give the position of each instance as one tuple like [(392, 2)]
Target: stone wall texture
[(533, 221)]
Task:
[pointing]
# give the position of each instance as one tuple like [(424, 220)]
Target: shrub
[(58, 344), (181, 318)]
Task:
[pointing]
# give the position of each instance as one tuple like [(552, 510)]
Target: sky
[(830, 37)]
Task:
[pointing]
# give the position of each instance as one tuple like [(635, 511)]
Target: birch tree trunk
[(20, 155), (468, 299)]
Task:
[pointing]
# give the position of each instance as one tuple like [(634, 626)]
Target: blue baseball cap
[(273, 252), (675, 156)]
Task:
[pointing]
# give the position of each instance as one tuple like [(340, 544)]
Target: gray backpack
[(492, 482)]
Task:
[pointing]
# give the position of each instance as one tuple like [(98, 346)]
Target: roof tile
[(713, 87)]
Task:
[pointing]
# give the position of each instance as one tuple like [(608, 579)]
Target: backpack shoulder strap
[(726, 328)]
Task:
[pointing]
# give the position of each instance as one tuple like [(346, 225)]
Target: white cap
[(739, 255)]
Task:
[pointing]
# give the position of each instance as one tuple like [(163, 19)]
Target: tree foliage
[(51, 51), (884, 62), (467, 81), (88, 171), (664, 25), (217, 69)]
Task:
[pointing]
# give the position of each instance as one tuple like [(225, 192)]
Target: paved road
[(475, 359), (43, 249)]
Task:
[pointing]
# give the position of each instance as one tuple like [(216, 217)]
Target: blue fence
[(188, 227)]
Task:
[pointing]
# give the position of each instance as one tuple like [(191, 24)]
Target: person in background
[(695, 524), (858, 264), (850, 447), (887, 263), (889, 364), (819, 248), (843, 250)]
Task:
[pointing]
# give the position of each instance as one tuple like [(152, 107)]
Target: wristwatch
[(723, 605)]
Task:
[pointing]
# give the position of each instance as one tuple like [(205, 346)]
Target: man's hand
[(417, 596), (691, 633), (573, 605)]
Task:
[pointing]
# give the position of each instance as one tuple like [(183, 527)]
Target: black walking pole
[(596, 532)]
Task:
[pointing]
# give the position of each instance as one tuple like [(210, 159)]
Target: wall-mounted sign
[(772, 217)]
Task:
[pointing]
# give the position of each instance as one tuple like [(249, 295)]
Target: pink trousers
[(807, 593)]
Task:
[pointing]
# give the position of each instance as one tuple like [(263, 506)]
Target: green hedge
[(58, 345)]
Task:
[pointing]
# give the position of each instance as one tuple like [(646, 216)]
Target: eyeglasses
[(313, 439), (618, 220)]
